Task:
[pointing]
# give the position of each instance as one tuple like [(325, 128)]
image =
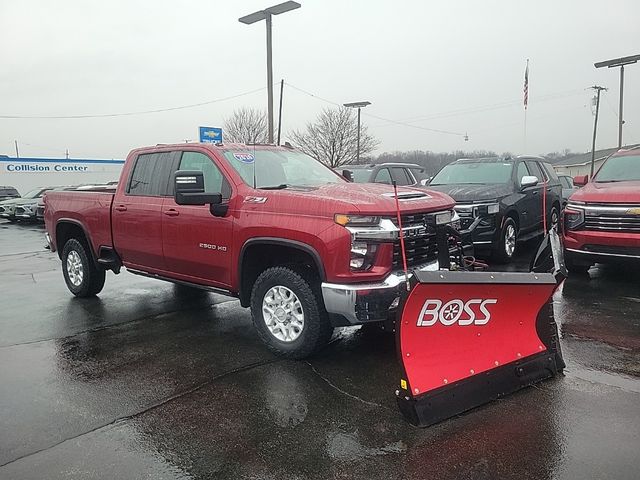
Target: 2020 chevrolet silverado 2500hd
[(304, 248), (602, 219)]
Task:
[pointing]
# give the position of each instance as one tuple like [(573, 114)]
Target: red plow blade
[(466, 338)]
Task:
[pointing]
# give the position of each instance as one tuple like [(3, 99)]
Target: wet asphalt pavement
[(151, 381)]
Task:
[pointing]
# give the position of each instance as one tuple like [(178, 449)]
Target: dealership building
[(28, 173)]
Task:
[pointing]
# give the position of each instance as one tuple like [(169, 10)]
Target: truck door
[(197, 244), (137, 211)]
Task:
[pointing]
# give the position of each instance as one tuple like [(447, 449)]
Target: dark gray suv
[(500, 200)]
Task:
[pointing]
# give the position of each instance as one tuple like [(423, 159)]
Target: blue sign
[(210, 135)]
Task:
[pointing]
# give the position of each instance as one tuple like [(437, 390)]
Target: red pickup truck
[(602, 219), (293, 240)]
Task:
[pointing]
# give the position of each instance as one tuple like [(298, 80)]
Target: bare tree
[(332, 138), (246, 125)]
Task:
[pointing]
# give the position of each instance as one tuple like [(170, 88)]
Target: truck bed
[(90, 209)]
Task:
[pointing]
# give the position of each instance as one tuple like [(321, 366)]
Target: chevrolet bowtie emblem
[(634, 211)]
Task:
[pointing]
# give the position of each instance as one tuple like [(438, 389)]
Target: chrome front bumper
[(367, 302)]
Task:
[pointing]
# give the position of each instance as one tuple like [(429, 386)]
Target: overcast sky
[(456, 66)]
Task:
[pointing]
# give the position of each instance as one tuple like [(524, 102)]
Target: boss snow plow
[(465, 338)]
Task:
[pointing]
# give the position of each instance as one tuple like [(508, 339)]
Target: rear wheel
[(81, 275), (505, 248), (288, 313)]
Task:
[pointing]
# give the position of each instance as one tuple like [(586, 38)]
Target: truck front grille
[(419, 250), (610, 223)]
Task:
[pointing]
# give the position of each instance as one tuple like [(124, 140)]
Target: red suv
[(602, 219)]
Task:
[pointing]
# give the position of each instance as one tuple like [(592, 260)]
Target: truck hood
[(364, 198), (610, 192), (468, 193)]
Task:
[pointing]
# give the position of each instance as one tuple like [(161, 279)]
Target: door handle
[(172, 212), (121, 208)]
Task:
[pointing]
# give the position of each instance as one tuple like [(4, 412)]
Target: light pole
[(595, 127), (619, 62), (357, 105), (266, 15)]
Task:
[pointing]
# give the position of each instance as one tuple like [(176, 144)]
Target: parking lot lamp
[(266, 15), (619, 62), (357, 105)]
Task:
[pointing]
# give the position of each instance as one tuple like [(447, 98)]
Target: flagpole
[(526, 103)]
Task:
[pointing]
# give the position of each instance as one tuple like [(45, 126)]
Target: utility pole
[(280, 111), (595, 127), (17, 153)]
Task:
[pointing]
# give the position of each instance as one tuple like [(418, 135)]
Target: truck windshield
[(476, 172), (280, 168), (620, 169)]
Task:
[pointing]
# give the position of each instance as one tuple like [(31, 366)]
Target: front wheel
[(81, 275), (505, 249), (289, 314)]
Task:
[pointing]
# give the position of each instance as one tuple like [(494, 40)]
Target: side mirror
[(425, 181), (580, 180), (528, 181), (189, 189), (348, 174)]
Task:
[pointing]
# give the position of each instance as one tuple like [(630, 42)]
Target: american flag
[(526, 86)]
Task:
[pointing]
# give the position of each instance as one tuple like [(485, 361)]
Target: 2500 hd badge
[(211, 246)]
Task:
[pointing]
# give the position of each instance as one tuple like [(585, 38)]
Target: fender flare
[(84, 231), (285, 243)]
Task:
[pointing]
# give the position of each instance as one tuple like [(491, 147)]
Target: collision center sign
[(52, 165)]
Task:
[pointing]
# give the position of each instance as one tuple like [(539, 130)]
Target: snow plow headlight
[(573, 217), (444, 217)]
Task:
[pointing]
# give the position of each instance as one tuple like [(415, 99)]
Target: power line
[(126, 114), (377, 117)]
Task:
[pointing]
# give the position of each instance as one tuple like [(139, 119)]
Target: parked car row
[(499, 200), (30, 207), (503, 201)]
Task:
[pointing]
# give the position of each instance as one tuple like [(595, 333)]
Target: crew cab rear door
[(137, 211), (196, 242)]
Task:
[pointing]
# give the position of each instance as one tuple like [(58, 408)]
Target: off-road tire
[(500, 254), (317, 329), (92, 276)]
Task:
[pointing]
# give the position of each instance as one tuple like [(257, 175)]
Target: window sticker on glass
[(244, 157)]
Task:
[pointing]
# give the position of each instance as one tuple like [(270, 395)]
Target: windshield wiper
[(609, 181), (282, 186)]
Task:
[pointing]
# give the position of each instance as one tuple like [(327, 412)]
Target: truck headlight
[(573, 218), (362, 255), (356, 220), (493, 208)]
